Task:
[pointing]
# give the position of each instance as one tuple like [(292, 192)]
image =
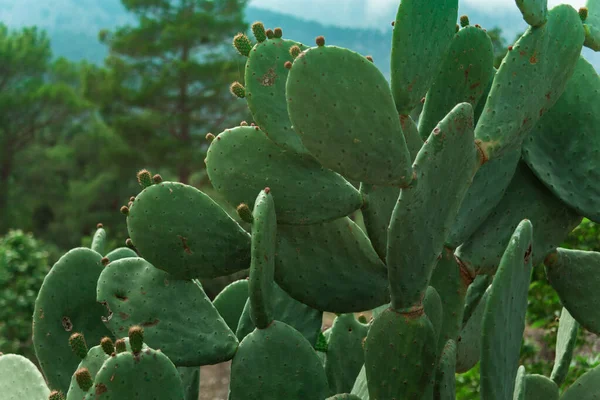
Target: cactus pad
[(230, 302), (202, 240), (575, 276), (121, 252), (379, 202), (99, 240), (66, 303), (468, 346), (262, 368), (543, 68), (361, 139), (423, 30), (535, 12), (445, 381), (136, 293), (586, 387), (504, 321), (242, 161), (566, 339), (538, 387), (592, 25), (568, 164), (330, 267), (444, 169), (20, 379)]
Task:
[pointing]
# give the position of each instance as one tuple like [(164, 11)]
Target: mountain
[(73, 25)]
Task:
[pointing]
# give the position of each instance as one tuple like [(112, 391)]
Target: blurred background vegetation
[(73, 135)]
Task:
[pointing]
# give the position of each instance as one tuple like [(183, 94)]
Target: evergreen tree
[(167, 79)]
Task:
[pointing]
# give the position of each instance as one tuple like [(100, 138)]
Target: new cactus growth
[(426, 200)]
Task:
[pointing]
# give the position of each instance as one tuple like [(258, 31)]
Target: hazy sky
[(376, 12)]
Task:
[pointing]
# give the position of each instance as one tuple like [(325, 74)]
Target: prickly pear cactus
[(423, 203)]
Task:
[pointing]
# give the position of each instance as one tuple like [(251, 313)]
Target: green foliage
[(24, 262)]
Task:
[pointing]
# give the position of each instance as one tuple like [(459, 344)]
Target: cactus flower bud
[(78, 345), (237, 90), (136, 338), (242, 44), (107, 345), (583, 13), (129, 243), (288, 65), (245, 213), (56, 395), (132, 198), (270, 33), (210, 137), (370, 58), (120, 346), (320, 41), (125, 210), (295, 51), (105, 261), (84, 379), (258, 29), (278, 33), (157, 179), (464, 21), (99, 225), (144, 178)]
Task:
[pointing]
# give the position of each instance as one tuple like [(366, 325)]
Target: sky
[(377, 12)]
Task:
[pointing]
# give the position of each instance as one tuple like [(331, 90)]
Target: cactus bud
[(583, 13), (78, 345), (464, 21), (477, 26), (237, 90), (270, 33), (267, 190), (107, 345), (125, 210), (370, 58), (56, 395), (84, 379), (245, 213), (157, 179), (320, 41), (136, 338), (393, 23), (242, 44), (278, 33), (243, 123), (130, 204), (99, 225), (210, 137), (105, 261), (457, 27), (120, 346), (132, 198), (144, 178), (258, 30), (295, 51), (129, 243), (288, 65)]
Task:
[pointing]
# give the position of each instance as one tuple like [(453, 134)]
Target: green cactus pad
[(452, 288), (242, 161), (148, 374), (344, 396), (231, 301), (262, 267), (486, 191), (566, 339), (93, 361), (432, 305), (444, 169), (345, 355), (475, 292), (20, 379), (299, 316), (360, 387), (535, 12), (342, 108), (526, 197), (586, 387), (190, 379), (265, 79), (504, 321), (400, 351), (423, 30), (445, 381), (468, 345), (262, 368), (465, 72), (520, 392), (414, 142), (575, 274), (66, 303), (99, 241), (592, 25), (379, 202), (202, 241), (568, 164), (542, 60), (330, 267), (136, 293), (538, 387), (121, 252)]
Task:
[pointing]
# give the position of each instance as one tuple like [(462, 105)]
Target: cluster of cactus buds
[(422, 203)]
